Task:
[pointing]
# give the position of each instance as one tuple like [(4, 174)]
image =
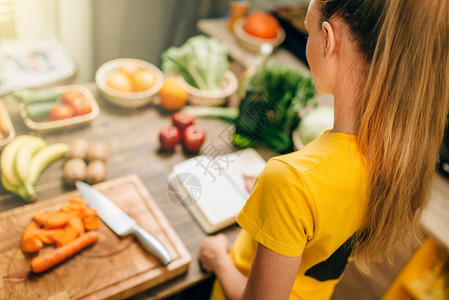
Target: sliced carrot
[(79, 201), (56, 220), (76, 223), (55, 235), (92, 225), (31, 244), (88, 218), (30, 230), (77, 206), (89, 212), (47, 260), (69, 235), (44, 237), (40, 218)]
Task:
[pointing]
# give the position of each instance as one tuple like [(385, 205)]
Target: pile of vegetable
[(201, 61), (51, 104), (270, 109), (86, 162), (70, 229)]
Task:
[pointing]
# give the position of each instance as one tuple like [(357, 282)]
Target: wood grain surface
[(131, 136), (112, 268)]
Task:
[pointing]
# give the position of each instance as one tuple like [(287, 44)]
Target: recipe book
[(213, 189)]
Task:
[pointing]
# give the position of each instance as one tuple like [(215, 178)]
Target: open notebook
[(213, 189)]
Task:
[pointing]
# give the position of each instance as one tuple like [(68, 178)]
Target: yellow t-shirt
[(307, 203)]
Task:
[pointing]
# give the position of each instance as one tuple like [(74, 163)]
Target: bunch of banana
[(23, 161)]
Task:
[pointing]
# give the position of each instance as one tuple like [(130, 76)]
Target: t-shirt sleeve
[(279, 212)]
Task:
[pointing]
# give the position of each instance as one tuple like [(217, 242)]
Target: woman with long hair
[(360, 188)]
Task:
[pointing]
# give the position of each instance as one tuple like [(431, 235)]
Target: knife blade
[(119, 222)]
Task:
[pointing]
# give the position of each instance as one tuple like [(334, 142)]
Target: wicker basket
[(212, 97)]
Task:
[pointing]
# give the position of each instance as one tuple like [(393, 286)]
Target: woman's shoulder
[(326, 151)]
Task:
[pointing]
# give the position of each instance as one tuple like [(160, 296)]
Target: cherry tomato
[(193, 138), (60, 111), (77, 101), (182, 119), (169, 137)]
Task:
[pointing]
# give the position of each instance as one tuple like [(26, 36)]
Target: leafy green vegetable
[(202, 61), (269, 111)]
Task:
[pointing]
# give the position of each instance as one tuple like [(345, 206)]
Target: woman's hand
[(249, 182), (214, 252)]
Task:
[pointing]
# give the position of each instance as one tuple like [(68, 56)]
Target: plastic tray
[(58, 124)]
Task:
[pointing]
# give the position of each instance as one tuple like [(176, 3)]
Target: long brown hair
[(402, 111)]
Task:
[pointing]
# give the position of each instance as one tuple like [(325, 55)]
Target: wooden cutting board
[(112, 268)]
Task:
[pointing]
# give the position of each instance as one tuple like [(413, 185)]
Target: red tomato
[(60, 111), (262, 25), (169, 137), (181, 119), (77, 101), (193, 138)]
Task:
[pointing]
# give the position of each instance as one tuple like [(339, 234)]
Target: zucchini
[(37, 96), (39, 110)]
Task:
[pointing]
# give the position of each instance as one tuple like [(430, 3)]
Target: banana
[(8, 158), (43, 158), (24, 156), (26, 193)]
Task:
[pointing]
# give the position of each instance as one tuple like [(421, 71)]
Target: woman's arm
[(271, 276)]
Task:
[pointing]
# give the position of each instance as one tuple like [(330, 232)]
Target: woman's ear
[(329, 38)]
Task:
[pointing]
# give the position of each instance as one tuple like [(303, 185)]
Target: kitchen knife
[(119, 222)]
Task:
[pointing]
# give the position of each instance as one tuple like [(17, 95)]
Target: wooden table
[(132, 138)]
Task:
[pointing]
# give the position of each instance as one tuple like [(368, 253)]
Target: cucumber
[(39, 110), (37, 96)]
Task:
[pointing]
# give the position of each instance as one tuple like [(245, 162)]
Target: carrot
[(56, 220), (40, 218), (44, 237), (31, 244), (55, 235), (89, 212), (77, 224), (30, 230), (47, 260), (92, 225), (69, 235), (79, 201)]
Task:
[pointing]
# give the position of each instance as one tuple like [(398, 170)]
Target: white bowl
[(128, 99), (228, 86), (253, 43)]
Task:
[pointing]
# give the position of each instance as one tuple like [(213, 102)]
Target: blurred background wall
[(95, 31)]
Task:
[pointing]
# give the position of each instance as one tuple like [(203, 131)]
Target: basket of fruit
[(128, 82)]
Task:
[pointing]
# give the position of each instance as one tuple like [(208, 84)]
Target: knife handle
[(151, 244)]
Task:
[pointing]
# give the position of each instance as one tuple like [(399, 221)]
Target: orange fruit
[(143, 80), (129, 68), (119, 82), (172, 95), (262, 25)]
